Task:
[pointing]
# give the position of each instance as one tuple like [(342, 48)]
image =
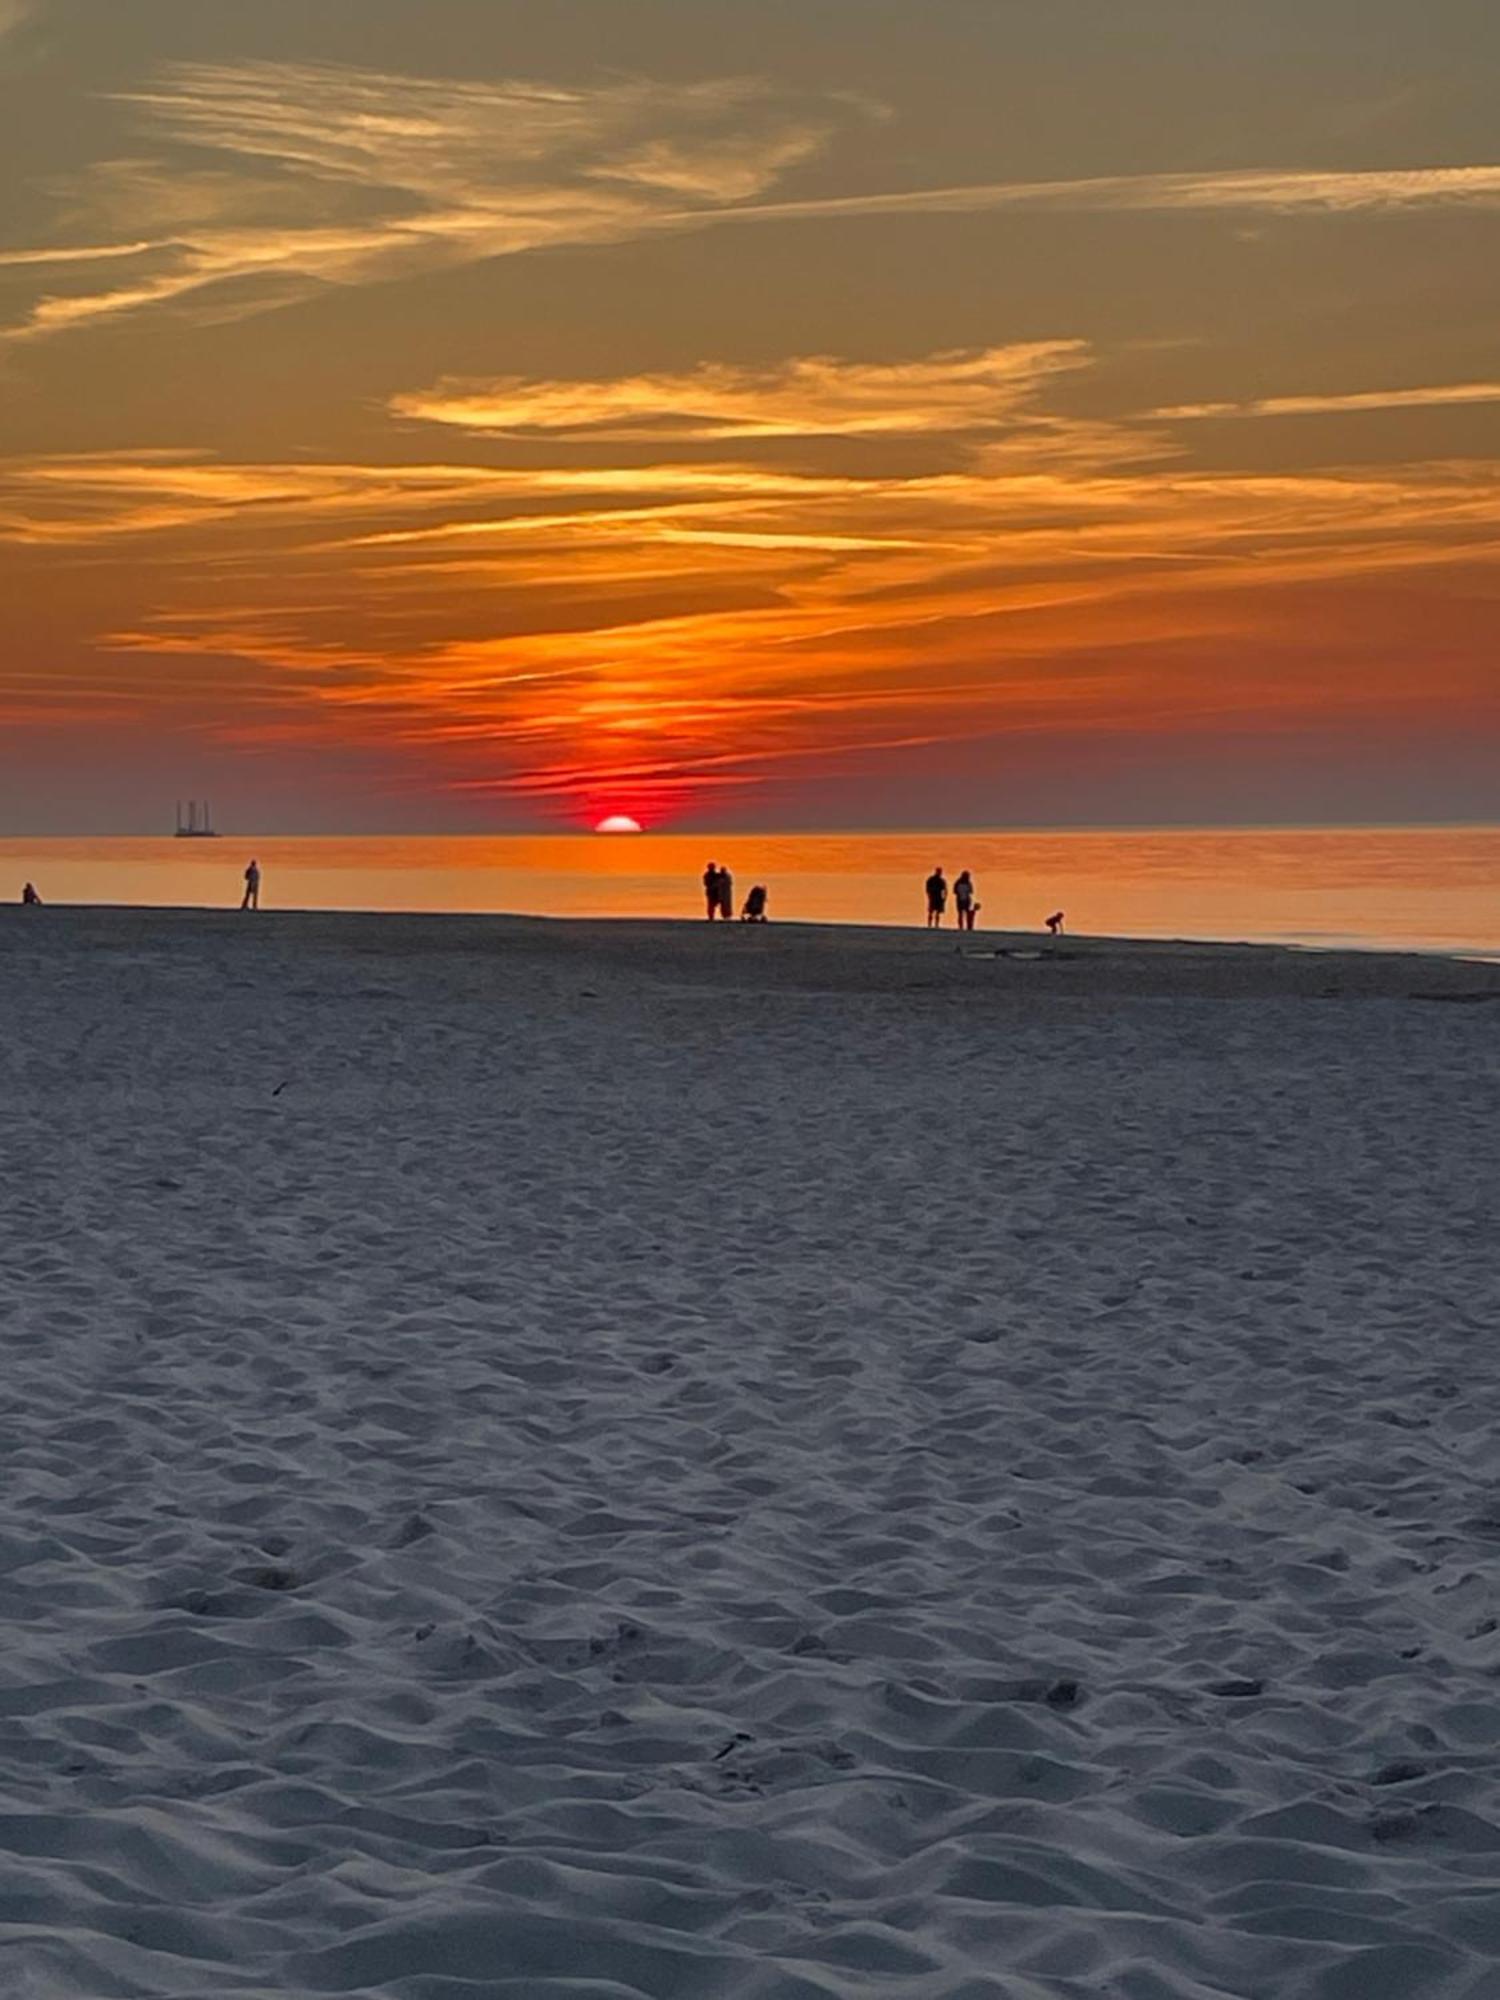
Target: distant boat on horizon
[(195, 827)]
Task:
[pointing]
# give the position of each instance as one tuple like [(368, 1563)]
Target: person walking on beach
[(251, 898), (711, 894), (964, 906), (937, 898)]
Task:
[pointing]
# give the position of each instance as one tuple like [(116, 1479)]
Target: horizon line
[(912, 831)]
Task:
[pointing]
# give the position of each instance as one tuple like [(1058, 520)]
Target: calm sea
[(1420, 888)]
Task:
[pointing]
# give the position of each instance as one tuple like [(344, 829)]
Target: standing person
[(726, 895), (251, 898), (937, 898), (964, 905), (711, 889)]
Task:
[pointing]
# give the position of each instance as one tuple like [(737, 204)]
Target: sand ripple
[(730, 1494)]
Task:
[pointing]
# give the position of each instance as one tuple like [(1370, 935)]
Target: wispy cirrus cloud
[(1447, 395), (94, 497), (1252, 190), (818, 396), (280, 178), (73, 253), (256, 184), (724, 138)]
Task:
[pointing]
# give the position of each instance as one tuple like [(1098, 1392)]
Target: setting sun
[(618, 823)]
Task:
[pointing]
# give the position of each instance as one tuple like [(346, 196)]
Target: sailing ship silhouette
[(197, 825)]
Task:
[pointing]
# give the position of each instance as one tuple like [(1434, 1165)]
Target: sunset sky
[(469, 414)]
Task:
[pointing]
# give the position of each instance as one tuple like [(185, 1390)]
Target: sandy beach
[(638, 1462)]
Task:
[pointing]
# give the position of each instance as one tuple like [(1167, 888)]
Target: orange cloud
[(1447, 395), (817, 397), (584, 630)]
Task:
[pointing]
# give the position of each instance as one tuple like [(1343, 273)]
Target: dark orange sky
[(850, 413)]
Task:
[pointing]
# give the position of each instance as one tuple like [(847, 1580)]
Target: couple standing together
[(965, 903), (718, 892)]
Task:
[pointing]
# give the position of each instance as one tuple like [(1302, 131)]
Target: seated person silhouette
[(754, 911), (29, 895)]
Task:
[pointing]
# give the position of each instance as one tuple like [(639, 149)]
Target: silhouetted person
[(754, 911), (937, 898), (1055, 923), (251, 898), (726, 895), (29, 895), (711, 894), (964, 906)]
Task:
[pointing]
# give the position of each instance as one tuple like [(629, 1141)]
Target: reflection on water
[(1430, 888)]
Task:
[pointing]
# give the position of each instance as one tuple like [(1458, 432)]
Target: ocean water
[(1421, 888)]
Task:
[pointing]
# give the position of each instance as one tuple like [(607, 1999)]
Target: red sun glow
[(618, 823)]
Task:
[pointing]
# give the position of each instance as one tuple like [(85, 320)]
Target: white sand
[(627, 1463)]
